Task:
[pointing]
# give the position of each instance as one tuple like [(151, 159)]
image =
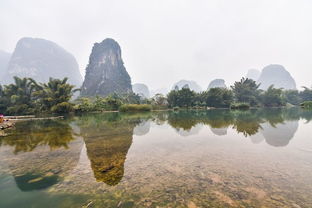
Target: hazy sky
[(163, 41)]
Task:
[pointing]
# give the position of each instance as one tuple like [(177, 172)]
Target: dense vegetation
[(26, 96), (135, 107), (242, 95)]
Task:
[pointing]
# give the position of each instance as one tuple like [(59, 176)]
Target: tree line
[(26, 96), (245, 92)]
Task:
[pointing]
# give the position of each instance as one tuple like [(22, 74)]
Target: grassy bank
[(135, 108)]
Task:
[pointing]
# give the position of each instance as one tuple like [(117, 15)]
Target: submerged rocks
[(105, 73), (217, 83), (276, 75), (41, 59)]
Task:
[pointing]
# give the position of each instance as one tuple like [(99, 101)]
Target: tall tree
[(273, 97), (246, 91), (19, 96), (306, 94), (219, 97), (55, 95)]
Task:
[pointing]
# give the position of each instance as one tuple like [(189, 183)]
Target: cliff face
[(141, 89), (192, 85), (217, 83), (105, 73), (41, 59), (276, 75)]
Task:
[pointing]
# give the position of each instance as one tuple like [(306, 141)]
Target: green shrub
[(306, 105), (135, 107), (63, 107), (84, 105), (240, 106), (176, 108)]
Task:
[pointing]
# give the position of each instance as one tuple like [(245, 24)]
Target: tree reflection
[(26, 136), (277, 126)]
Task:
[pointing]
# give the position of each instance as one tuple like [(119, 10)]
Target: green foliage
[(181, 98), (273, 97), (306, 94), (292, 97), (17, 98), (109, 103), (240, 106), (218, 97), (83, 105), (135, 107), (246, 91), (53, 95), (25, 96), (176, 108), (306, 105), (63, 107)]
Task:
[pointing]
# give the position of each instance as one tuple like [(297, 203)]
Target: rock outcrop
[(253, 74), (141, 89), (4, 61), (105, 73), (192, 85), (276, 75), (41, 59), (217, 83)]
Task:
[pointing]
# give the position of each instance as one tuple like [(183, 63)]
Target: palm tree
[(55, 92)]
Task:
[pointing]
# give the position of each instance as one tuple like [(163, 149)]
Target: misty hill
[(253, 74), (192, 85), (141, 89), (105, 73), (41, 59), (220, 83), (163, 91), (276, 75), (4, 61)]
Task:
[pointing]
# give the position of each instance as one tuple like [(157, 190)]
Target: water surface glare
[(215, 158)]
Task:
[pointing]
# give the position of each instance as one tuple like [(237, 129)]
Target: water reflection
[(40, 153), (108, 139), (276, 126), (280, 134), (27, 136)]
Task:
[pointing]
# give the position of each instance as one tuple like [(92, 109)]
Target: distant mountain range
[(41, 59)]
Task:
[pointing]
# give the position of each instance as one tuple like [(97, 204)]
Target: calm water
[(217, 158)]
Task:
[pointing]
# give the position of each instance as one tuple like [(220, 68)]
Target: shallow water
[(216, 158)]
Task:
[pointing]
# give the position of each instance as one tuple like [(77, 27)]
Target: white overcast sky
[(163, 41)]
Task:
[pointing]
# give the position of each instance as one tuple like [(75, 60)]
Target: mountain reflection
[(108, 139), (41, 153), (276, 126)]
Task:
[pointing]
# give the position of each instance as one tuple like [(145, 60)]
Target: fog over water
[(163, 41)]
